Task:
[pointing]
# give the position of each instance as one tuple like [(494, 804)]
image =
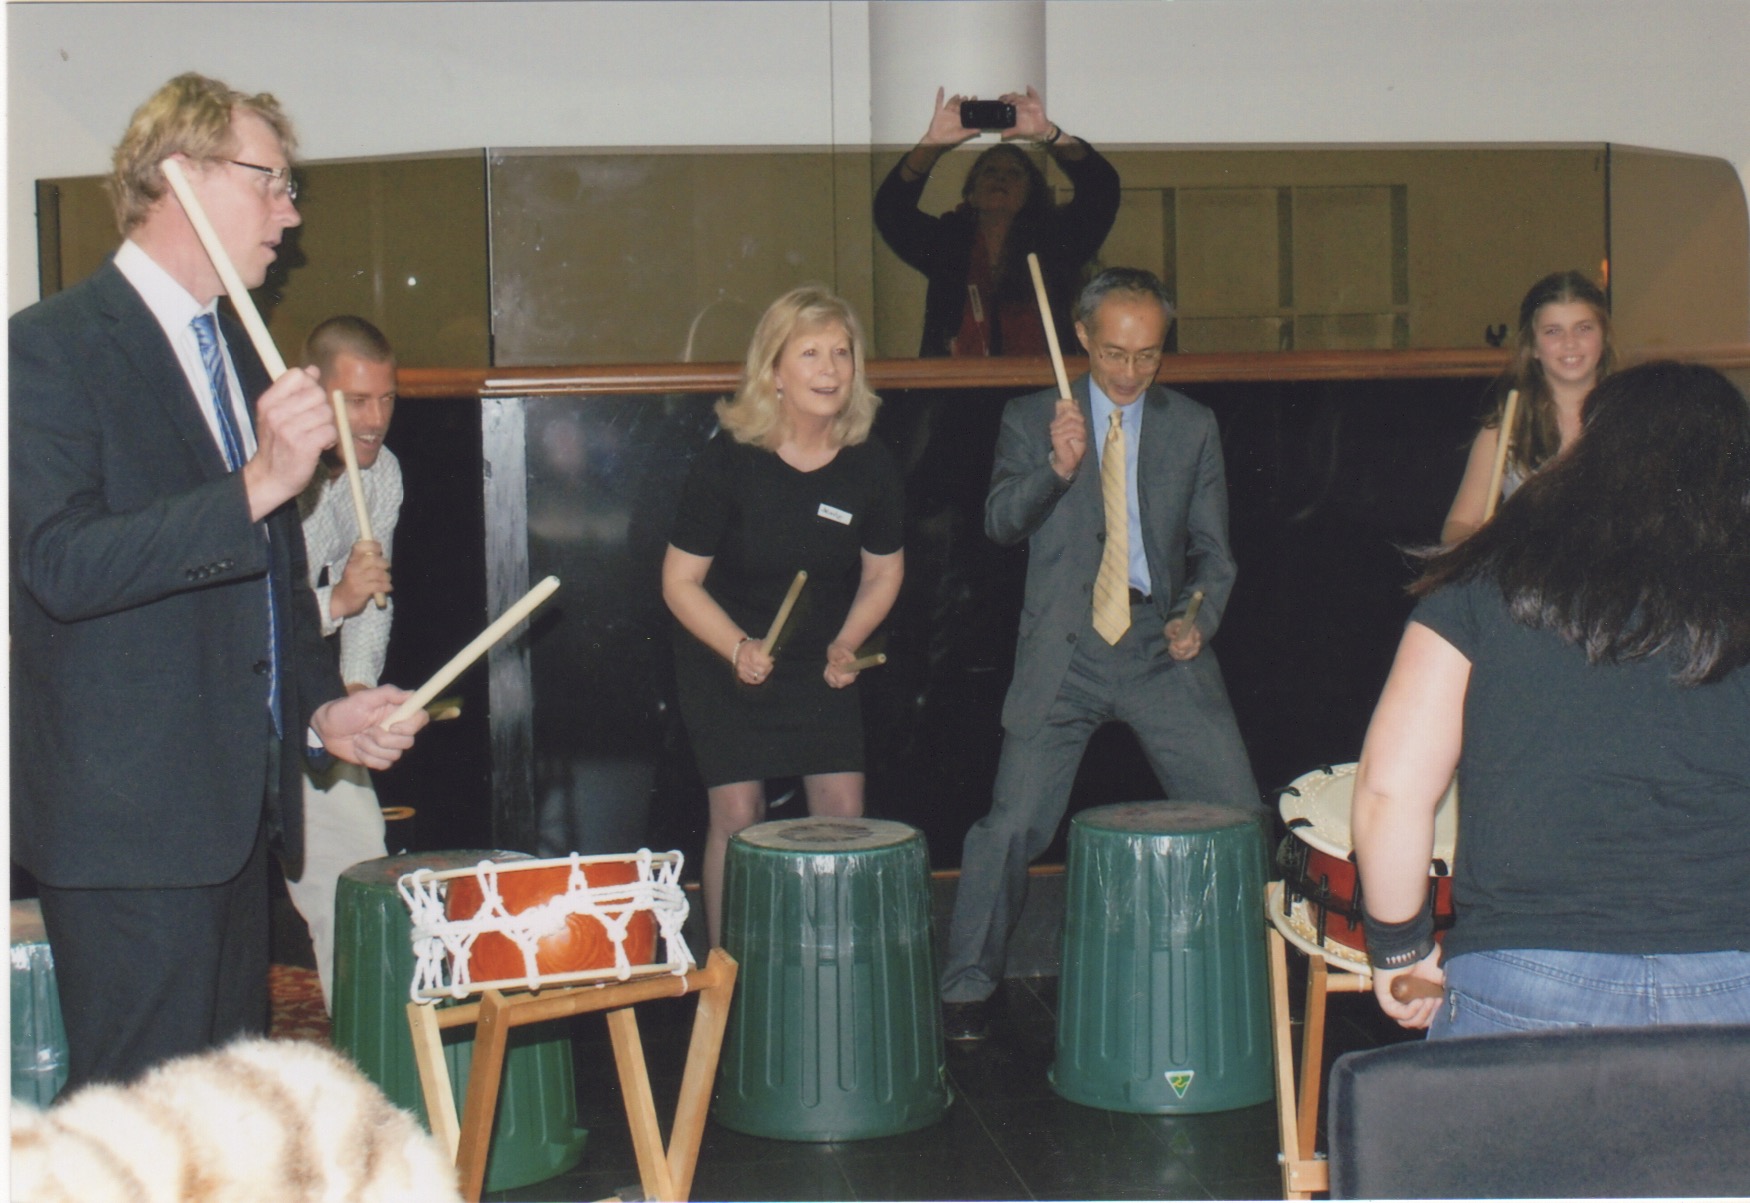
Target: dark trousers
[(150, 974), (1180, 713)]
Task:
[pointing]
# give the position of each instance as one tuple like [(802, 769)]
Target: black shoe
[(966, 1021)]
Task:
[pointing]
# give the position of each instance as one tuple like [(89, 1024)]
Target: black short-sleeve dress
[(760, 521)]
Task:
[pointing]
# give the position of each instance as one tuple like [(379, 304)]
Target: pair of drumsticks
[(276, 366), (783, 616)]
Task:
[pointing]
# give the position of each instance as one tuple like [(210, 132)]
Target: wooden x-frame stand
[(665, 1171), (1303, 1172)]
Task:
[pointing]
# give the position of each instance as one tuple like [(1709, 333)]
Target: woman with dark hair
[(980, 299), (791, 482), (1583, 661), (1562, 349)]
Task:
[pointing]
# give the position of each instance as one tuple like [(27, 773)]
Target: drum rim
[(1304, 826)]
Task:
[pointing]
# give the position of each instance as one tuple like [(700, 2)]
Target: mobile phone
[(986, 114)]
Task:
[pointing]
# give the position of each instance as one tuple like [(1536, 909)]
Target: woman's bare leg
[(733, 807), (835, 795)]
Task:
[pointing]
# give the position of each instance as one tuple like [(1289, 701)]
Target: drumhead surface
[(817, 836), (27, 922), (388, 869), (1162, 818), (1316, 809)]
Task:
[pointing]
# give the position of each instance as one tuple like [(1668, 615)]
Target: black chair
[(1581, 1112)]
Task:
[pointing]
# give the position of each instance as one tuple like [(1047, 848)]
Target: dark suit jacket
[(140, 736), (1182, 493)]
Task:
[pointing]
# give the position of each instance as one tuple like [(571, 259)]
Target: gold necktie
[(1112, 585)]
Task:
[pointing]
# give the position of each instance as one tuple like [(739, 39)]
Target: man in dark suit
[(168, 674), (1118, 543)]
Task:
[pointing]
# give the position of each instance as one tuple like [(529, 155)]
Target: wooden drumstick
[(240, 298), (1408, 988), (1050, 326), (349, 453), (462, 659), (445, 708), (862, 662), (1190, 616), (784, 612), (1502, 445)]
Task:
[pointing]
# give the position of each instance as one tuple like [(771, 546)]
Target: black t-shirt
[(762, 520), (1602, 808)]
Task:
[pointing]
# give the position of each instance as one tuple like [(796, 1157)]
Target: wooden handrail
[(1251, 367)]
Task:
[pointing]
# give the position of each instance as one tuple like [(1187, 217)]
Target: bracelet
[(1400, 945), (1056, 133), (735, 656)]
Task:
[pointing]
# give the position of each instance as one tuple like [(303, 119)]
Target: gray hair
[(1134, 282)]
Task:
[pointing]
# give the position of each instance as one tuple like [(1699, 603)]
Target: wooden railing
[(633, 379)]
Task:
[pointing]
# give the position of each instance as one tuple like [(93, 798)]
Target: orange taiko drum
[(514, 923), (1322, 892), (580, 943)]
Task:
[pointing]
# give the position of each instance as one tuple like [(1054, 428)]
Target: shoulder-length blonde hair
[(755, 414)]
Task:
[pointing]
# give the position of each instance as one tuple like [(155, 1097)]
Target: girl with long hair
[(1561, 350)]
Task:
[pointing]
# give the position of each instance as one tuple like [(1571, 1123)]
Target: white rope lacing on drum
[(442, 945)]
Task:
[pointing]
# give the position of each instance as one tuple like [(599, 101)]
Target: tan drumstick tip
[(862, 662), (354, 478), (500, 627), (783, 614), (1409, 988)]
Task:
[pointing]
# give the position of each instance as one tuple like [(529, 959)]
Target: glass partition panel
[(1327, 481)]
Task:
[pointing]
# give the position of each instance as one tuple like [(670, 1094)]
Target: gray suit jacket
[(1182, 492), (139, 612)]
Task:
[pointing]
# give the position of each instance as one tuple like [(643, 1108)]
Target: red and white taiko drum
[(524, 924), (1319, 907)]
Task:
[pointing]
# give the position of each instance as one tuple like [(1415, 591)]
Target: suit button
[(1101, 536), (1070, 638), (260, 668)]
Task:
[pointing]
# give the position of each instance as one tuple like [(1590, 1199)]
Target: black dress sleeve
[(707, 504), (884, 531)]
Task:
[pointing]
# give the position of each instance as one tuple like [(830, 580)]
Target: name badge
[(836, 515)]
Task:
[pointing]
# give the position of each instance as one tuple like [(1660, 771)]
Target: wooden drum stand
[(664, 1170), (1327, 972)]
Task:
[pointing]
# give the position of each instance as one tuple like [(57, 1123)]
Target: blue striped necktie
[(206, 334)]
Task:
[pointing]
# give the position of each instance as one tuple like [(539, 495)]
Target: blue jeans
[(1525, 989)]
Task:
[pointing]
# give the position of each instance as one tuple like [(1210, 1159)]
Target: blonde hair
[(190, 115), (755, 415)]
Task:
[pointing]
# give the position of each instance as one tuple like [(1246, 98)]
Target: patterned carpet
[(298, 1013)]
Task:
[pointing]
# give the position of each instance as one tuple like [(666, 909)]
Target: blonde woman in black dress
[(791, 482)]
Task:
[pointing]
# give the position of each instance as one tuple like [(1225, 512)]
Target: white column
[(977, 48)]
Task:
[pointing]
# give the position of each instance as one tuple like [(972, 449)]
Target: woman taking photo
[(792, 482), (980, 299), (1583, 661), (1561, 351)]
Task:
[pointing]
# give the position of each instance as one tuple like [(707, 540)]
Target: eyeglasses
[(283, 183), (1112, 357)]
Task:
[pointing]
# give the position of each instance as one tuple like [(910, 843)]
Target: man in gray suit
[(168, 674), (1118, 543)]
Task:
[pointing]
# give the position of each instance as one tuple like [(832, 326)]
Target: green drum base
[(534, 1134), (39, 1039), (1163, 1003), (835, 1033)]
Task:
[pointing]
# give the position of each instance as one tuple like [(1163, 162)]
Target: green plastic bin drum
[(534, 1134), (1163, 1004), (835, 1033), (39, 1040)]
